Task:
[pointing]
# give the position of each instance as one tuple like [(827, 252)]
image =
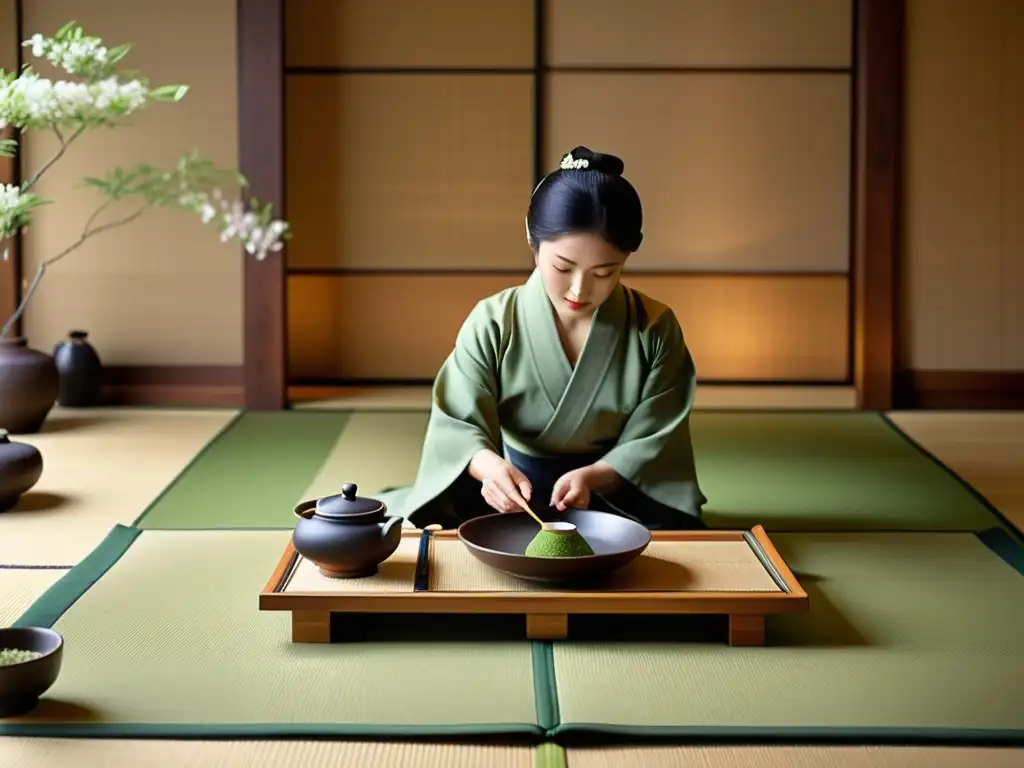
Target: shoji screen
[(415, 131)]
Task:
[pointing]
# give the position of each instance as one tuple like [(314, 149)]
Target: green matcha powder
[(549, 544), (9, 656)]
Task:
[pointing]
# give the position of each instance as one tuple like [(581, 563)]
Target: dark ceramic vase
[(21, 466), (29, 383), (80, 369), (347, 536)]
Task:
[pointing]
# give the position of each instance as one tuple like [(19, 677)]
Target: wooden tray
[(737, 573)]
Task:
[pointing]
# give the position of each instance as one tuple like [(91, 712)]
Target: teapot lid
[(347, 504)]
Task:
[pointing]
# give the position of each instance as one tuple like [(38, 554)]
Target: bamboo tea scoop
[(559, 527)]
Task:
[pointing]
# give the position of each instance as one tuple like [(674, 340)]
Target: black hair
[(587, 193)]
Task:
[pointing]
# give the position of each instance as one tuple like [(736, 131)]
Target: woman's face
[(579, 272)]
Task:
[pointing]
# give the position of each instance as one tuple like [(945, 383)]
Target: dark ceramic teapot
[(347, 536), (21, 466)]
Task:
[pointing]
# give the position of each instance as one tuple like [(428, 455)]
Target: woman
[(570, 390)]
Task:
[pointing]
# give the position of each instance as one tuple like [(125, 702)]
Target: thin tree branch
[(87, 232), (59, 154)]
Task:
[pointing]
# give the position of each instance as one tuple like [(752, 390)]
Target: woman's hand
[(501, 484), (573, 489)]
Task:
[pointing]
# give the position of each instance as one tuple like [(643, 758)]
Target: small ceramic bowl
[(22, 684)]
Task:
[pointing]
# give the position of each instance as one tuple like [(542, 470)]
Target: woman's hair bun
[(584, 159)]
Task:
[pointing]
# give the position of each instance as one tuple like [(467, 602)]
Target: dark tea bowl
[(22, 683), (500, 541)]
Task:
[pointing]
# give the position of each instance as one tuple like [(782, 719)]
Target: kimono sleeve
[(654, 451), (464, 407), (464, 410)]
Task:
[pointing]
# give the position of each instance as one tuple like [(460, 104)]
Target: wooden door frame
[(261, 146), (878, 51), (878, 170), (10, 173)]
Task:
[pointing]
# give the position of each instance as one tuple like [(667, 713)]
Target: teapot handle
[(390, 523)]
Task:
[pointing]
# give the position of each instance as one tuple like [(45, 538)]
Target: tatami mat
[(252, 475), (787, 471), (708, 396), (985, 449), (101, 466), (794, 757), (177, 613), (376, 450), (20, 587), (107, 753), (256, 472), (20, 752), (908, 633)]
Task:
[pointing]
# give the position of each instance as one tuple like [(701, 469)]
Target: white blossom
[(10, 194), (11, 209), (74, 56), (34, 100), (97, 96), (236, 222)]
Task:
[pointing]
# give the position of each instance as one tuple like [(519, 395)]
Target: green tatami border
[(516, 734), (545, 687), (1005, 546), (596, 734), (67, 590), (977, 495)]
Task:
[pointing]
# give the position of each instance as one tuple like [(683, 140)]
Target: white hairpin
[(568, 163)]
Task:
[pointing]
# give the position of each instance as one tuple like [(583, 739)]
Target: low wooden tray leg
[(547, 626), (746, 629), (311, 626)]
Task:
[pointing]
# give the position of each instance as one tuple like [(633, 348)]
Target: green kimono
[(509, 385)]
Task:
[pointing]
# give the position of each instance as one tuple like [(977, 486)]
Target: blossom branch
[(101, 96), (59, 154), (87, 232)]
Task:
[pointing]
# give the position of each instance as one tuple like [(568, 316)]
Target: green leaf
[(169, 92), (117, 53), (8, 147), (65, 30), (92, 181)]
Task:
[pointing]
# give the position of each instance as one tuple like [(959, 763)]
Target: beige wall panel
[(739, 328), (736, 172), (409, 33), (394, 327), (951, 314), (8, 35), (699, 33), (409, 171), (760, 327), (141, 317), (163, 289), (1012, 89)]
